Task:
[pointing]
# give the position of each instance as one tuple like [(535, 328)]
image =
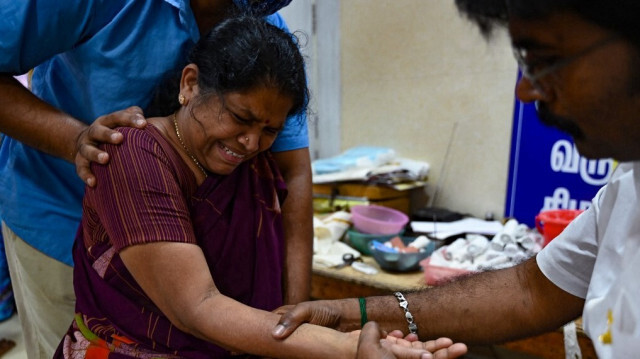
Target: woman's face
[(224, 132)]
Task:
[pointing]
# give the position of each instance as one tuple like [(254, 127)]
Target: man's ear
[(189, 82)]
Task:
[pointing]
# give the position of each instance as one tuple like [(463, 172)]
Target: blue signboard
[(546, 171)]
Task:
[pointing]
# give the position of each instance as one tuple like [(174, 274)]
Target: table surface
[(385, 282)]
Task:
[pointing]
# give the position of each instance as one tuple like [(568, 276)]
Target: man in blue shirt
[(89, 59)]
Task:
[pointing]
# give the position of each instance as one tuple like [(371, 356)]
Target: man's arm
[(297, 214), (27, 119), (295, 166), (35, 123), (489, 307)]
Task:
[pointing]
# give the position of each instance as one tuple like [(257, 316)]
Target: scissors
[(347, 260)]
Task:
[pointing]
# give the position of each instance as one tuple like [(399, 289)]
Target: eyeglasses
[(535, 71)]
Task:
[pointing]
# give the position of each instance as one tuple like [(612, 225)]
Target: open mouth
[(228, 151)]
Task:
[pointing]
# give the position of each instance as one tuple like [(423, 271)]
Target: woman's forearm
[(240, 328), (195, 306)]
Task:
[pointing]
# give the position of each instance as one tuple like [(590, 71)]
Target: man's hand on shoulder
[(101, 131)]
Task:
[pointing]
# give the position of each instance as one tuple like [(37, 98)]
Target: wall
[(416, 77)]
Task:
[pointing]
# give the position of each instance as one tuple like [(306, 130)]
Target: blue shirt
[(90, 58)]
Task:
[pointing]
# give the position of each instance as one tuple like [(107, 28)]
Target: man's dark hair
[(620, 16), (240, 54)]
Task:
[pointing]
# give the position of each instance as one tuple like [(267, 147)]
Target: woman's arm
[(176, 277)]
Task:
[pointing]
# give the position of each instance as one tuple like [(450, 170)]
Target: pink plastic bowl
[(378, 219)]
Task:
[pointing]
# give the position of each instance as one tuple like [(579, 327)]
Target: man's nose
[(527, 92)]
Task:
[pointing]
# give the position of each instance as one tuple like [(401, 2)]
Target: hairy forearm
[(26, 118), (298, 224), (490, 307)]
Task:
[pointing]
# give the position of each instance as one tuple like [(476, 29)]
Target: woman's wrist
[(350, 318), (349, 348)]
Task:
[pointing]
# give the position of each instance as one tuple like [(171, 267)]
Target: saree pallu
[(237, 223)]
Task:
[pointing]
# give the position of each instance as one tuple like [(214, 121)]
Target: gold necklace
[(175, 125)]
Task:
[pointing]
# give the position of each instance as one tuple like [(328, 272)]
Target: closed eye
[(272, 130), (240, 120)]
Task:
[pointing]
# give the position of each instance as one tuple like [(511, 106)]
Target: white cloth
[(597, 257), (327, 248)]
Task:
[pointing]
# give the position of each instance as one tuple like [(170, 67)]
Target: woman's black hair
[(239, 54), (620, 16)]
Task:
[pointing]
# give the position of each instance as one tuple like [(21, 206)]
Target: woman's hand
[(100, 131), (371, 345)]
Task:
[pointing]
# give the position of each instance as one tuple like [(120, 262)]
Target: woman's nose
[(251, 141)]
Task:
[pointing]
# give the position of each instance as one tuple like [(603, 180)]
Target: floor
[(10, 329)]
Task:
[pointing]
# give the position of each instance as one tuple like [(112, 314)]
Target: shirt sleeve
[(295, 134), (32, 31), (138, 197), (568, 260)]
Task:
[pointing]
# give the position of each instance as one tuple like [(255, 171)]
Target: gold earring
[(181, 99)]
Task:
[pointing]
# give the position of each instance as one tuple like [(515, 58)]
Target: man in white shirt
[(580, 62)]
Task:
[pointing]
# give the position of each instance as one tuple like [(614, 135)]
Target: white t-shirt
[(597, 257)]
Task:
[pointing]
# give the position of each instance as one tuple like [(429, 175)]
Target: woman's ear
[(189, 82)]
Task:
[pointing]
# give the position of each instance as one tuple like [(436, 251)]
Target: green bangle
[(363, 311)]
